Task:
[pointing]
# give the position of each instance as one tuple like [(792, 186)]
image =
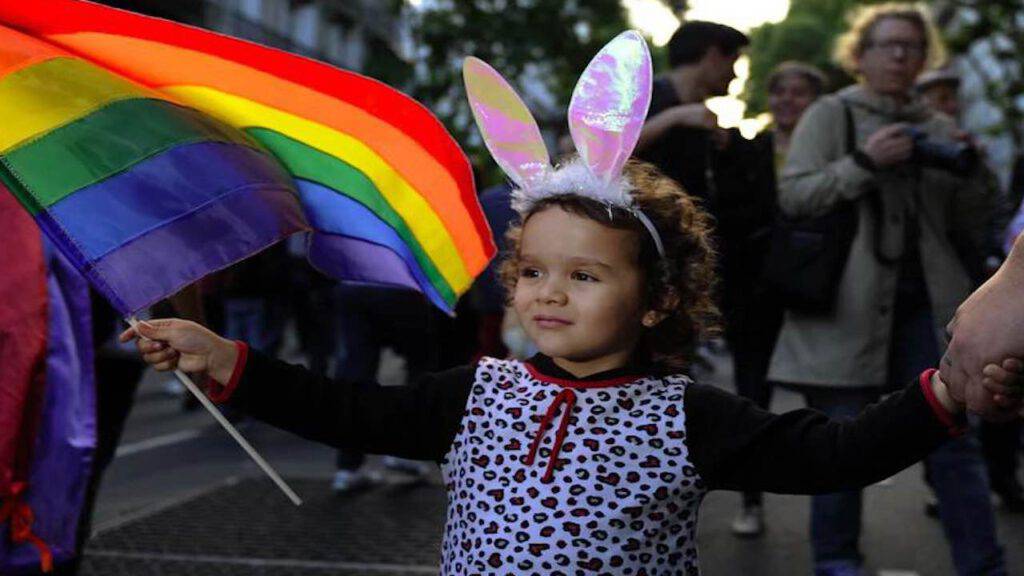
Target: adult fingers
[(995, 387), (1013, 365), (978, 399), (997, 373)]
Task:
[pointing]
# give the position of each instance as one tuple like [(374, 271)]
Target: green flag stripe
[(308, 163), (106, 142)]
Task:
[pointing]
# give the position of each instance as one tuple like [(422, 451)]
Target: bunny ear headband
[(607, 111)]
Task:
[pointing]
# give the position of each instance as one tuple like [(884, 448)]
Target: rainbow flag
[(135, 141)]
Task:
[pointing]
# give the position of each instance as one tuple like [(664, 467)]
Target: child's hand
[(1005, 382), (168, 344)]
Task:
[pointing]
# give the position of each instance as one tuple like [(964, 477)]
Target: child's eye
[(529, 273), (583, 277)]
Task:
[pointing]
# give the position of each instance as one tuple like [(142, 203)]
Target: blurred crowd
[(848, 233)]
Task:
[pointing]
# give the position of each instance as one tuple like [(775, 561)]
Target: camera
[(959, 158)]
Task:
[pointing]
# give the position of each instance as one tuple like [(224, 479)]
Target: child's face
[(579, 291)]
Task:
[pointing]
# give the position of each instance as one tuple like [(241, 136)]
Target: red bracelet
[(948, 419), (221, 393)]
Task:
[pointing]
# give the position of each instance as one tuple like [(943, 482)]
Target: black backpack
[(807, 256)]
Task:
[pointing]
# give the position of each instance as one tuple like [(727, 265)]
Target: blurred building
[(367, 36)]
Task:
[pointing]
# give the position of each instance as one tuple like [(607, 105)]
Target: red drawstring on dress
[(568, 397), (21, 517)]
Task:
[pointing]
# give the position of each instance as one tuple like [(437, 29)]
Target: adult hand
[(971, 140), (889, 145), (694, 116), (988, 328), (169, 344)]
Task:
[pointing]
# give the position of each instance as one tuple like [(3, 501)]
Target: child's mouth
[(550, 322)]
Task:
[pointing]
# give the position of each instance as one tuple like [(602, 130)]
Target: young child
[(596, 453)]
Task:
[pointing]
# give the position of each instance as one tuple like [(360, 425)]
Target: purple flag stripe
[(334, 215), (166, 259), (106, 215), (360, 261)]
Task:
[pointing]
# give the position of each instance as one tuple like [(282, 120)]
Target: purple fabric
[(109, 214), (334, 215), (62, 453), (164, 260), (359, 261)]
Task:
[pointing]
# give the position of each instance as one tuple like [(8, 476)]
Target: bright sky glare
[(658, 21)]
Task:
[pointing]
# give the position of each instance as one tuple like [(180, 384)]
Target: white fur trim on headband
[(576, 179)]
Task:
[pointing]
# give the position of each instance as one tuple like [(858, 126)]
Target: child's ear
[(652, 318), (667, 304)]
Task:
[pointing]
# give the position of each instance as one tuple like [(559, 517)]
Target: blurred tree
[(806, 34), (988, 35), (539, 46)]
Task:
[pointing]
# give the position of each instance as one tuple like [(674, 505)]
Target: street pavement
[(182, 498)]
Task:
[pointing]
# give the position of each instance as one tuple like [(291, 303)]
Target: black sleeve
[(736, 445), (416, 421)]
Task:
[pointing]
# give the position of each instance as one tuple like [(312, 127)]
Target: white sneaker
[(414, 468), (749, 523), (347, 481), (172, 387)]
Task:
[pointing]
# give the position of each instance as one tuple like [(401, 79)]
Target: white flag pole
[(187, 381)]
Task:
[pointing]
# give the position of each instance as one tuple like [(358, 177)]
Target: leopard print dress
[(549, 476)]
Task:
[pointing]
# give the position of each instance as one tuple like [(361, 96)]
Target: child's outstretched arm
[(738, 446), (415, 421)]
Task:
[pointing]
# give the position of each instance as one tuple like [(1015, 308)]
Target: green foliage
[(385, 65), (807, 34), (547, 42), (997, 22)]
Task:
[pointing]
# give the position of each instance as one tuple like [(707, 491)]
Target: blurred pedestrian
[(487, 295), (311, 305), (681, 136), (367, 320), (939, 90), (725, 172), (755, 316), (902, 279), (255, 298)]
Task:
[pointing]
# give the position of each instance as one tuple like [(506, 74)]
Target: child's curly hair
[(679, 285)]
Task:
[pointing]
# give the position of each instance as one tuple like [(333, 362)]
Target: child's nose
[(553, 292)]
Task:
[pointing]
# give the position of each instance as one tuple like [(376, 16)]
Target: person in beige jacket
[(906, 273)]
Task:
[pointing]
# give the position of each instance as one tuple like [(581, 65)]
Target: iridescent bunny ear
[(609, 104), (509, 130)]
